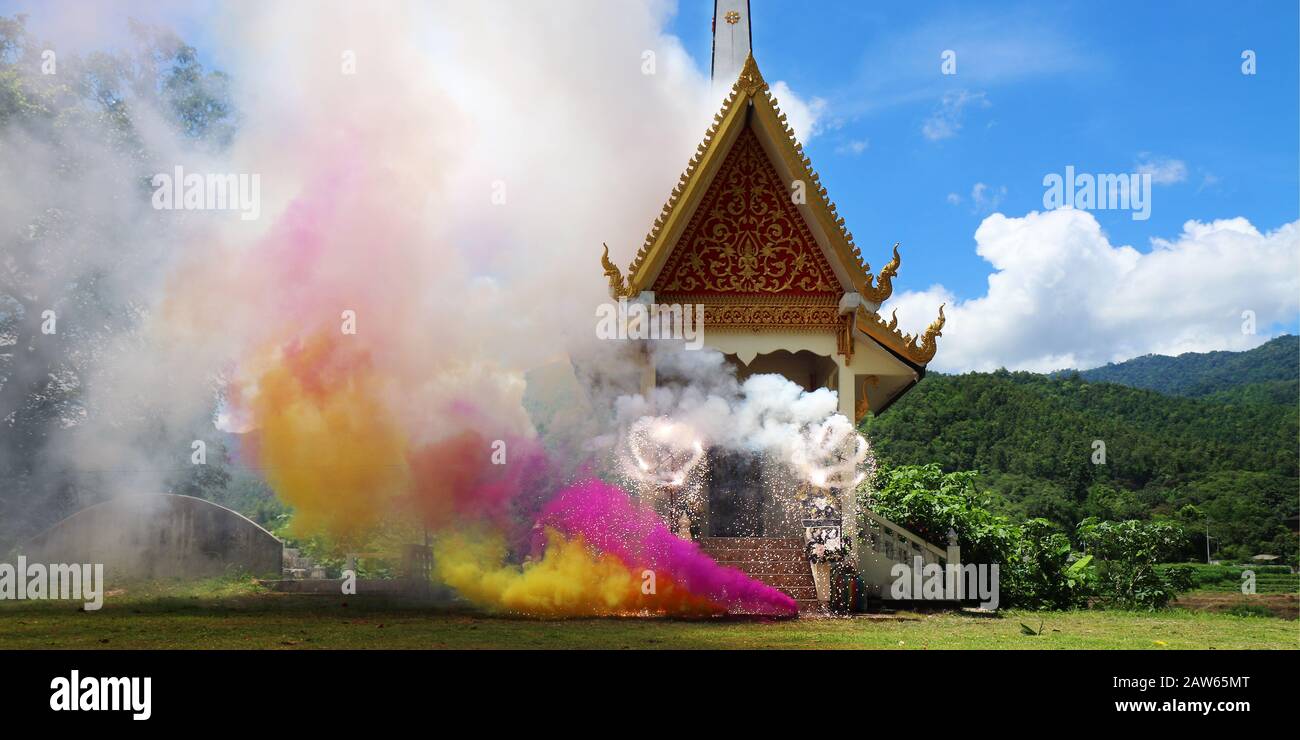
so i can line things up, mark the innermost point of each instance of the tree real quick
(78, 170)
(1031, 437)
(1128, 553)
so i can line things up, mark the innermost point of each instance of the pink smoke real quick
(610, 521)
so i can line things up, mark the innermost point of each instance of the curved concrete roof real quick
(159, 536)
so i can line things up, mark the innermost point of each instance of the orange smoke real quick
(325, 441)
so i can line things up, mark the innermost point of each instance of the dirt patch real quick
(1285, 606)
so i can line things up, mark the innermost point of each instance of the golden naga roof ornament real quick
(884, 285)
(918, 349)
(617, 283)
(932, 332)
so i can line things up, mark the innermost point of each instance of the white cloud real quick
(853, 146)
(954, 199)
(1061, 295)
(1163, 170)
(804, 116)
(945, 122)
(985, 199)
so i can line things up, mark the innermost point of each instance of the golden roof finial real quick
(751, 80)
(617, 283)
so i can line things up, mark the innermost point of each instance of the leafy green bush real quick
(1038, 568)
(929, 502)
(1047, 573)
(1128, 554)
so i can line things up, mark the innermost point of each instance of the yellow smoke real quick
(568, 581)
(327, 445)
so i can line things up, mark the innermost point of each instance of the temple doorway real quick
(741, 497)
(737, 499)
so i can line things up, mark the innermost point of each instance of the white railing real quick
(884, 544)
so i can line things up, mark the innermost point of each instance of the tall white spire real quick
(731, 40)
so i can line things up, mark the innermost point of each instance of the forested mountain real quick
(1229, 454)
(1274, 366)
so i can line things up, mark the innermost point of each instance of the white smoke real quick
(769, 415)
(453, 169)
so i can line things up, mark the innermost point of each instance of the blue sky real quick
(1097, 85)
(951, 164)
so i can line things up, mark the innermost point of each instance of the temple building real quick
(750, 233)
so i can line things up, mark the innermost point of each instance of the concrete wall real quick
(160, 536)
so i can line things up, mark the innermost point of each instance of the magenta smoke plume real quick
(610, 521)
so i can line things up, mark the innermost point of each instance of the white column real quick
(848, 496)
(731, 35)
(846, 389)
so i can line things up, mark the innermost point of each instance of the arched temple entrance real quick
(810, 370)
(741, 501)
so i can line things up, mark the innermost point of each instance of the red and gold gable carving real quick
(747, 236)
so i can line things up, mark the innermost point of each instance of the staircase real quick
(884, 545)
(777, 561)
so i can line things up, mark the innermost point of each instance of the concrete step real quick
(748, 542)
(777, 561)
(759, 569)
(756, 556)
(785, 581)
(784, 547)
(801, 593)
(811, 606)
(729, 548)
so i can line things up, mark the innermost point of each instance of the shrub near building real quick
(1041, 568)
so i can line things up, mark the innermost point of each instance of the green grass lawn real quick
(240, 615)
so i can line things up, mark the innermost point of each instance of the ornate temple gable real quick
(747, 237)
(750, 105)
(731, 238)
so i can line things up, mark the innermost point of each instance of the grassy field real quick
(241, 615)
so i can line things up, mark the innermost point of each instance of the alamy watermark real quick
(178, 191)
(638, 320)
(77, 693)
(1125, 191)
(39, 581)
(922, 581)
